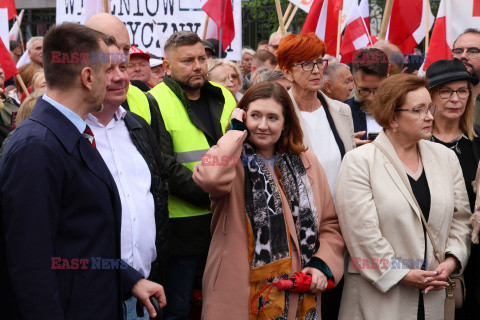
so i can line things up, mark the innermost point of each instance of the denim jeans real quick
(130, 310)
(179, 283)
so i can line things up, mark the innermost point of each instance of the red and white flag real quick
(10, 5)
(6, 62)
(322, 19)
(407, 27)
(454, 16)
(14, 31)
(357, 35)
(221, 12)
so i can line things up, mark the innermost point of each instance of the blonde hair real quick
(213, 63)
(468, 117)
(35, 76)
(26, 107)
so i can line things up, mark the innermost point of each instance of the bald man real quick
(111, 25)
(137, 101)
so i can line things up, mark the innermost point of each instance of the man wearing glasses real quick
(467, 49)
(370, 67)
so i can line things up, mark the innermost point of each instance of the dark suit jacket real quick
(358, 115)
(58, 199)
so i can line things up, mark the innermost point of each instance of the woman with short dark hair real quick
(382, 190)
(273, 214)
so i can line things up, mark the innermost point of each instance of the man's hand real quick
(144, 289)
(359, 142)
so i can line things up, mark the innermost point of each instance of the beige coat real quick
(341, 115)
(379, 220)
(226, 289)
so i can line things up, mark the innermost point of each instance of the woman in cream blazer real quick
(392, 272)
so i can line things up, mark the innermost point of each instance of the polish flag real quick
(322, 19)
(356, 34)
(6, 62)
(454, 16)
(14, 32)
(10, 5)
(365, 11)
(407, 26)
(221, 11)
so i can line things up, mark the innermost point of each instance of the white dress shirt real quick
(133, 179)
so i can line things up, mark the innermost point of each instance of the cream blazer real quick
(383, 231)
(341, 115)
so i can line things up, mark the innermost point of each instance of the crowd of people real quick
(203, 182)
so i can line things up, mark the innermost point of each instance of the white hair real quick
(31, 41)
(248, 50)
(330, 72)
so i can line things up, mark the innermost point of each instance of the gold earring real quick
(394, 130)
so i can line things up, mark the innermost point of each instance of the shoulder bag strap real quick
(407, 184)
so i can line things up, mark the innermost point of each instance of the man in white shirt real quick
(128, 147)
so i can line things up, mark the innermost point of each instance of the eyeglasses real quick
(309, 65)
(472, 53)
(446, 93)
(422, 112)
(366, 92)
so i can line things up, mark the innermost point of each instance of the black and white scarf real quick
(266, 215)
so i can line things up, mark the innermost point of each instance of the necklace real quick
(455, 141)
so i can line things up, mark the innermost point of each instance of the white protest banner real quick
(170, 15)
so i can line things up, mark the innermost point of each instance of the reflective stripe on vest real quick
(138, 103)
(189, 142)
(190, 156)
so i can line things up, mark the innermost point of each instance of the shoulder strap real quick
(409, 188)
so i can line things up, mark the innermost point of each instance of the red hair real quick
(296, 48)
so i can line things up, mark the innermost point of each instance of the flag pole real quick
(105, 6)
(280, 18)
(22, 84)
(386, 19)
(20, 33)
(206, 27)
(427, 33)
(290, 19)
(339, 33)
(287, 12)
(220, 43)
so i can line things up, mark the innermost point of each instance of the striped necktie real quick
(89, 135)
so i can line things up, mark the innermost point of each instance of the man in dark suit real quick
(370, 67)
(60, 209)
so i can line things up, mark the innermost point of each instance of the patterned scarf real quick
(269, 240)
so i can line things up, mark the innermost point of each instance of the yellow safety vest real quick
(189, 142)
(138, 103)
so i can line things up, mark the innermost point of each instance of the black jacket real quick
(359, 116)
(190, 236)
(146, 144)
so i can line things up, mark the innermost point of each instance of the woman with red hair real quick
(327, 124)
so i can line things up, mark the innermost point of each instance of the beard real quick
(188, 86)
(473, 72)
